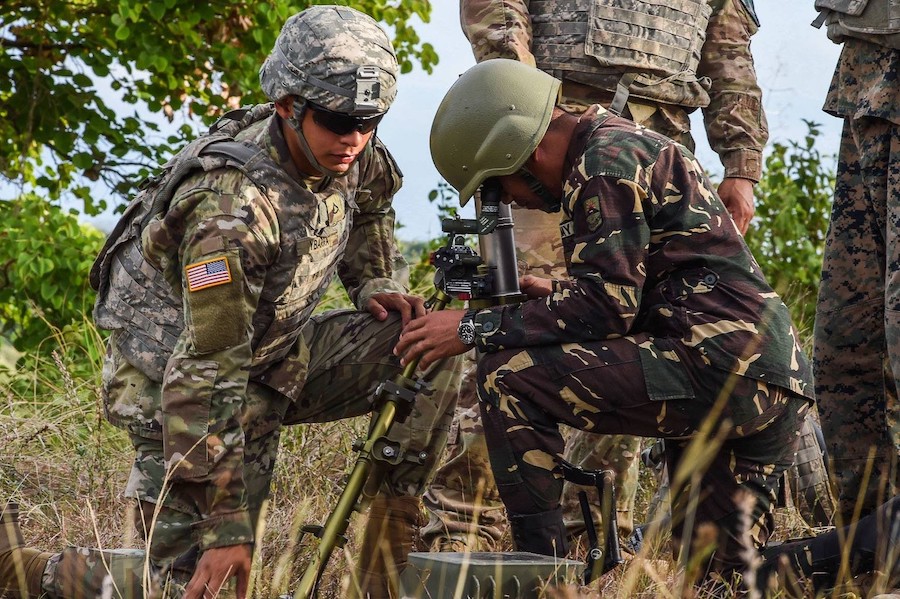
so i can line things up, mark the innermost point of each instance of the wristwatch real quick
(466, 329)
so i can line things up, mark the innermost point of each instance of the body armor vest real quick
(144, 306)
(596, 42)
(876, 21)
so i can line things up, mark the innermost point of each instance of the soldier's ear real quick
(285, 107)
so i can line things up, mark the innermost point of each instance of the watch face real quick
(466, 332)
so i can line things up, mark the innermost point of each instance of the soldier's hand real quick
(217, 565)
(431, 338)
(535, 287)
(409, 306)
(737, 195)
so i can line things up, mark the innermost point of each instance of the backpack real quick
(216, 149)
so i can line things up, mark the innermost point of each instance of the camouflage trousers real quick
(857, 331)
(463, 505)
(330, 374)
(726, 447)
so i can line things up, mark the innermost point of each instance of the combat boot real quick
(816, 561)
(542, 533)
(387, 540)
(21, 568)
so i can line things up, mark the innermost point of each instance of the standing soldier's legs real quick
(602, 452)
(332, 373)
(855, 330)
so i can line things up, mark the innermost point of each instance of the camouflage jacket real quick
(650, 249)
(735, 121)
(244, 259)
(865, 82)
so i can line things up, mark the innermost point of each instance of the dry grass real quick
(67, 467)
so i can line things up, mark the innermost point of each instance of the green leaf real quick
(83, 160)
(157, 10)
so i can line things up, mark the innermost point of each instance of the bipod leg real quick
(331, 534)
(396, 399)
(604, 552)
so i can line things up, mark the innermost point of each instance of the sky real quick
(794, 64)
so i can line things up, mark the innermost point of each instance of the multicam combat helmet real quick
(335, 57)
(490, 121)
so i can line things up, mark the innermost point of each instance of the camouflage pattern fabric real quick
(526, 395)
(735, 122)
(640, 340)
(596, 42)
(326, 225)
(857, 333)
(266, 284)
(332, 373)
(730, 313)
(463, 506)
(328, 44)
(736, 129)
(86, 573)
(230, 269)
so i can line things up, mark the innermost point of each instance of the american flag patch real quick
(207, 274)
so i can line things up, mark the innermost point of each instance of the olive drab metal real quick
(486, 127)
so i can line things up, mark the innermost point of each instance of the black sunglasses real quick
(342, 124)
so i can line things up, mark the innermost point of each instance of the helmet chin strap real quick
(296, 123)
(551, 202)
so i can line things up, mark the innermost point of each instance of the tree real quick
(45, 255)
(792, 213)
(79, 77)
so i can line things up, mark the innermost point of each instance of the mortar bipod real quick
(604, 552)
(396, 398)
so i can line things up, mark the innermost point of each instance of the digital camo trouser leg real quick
(857, 331)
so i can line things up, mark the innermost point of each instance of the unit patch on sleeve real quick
(208, 273)
(592, 213)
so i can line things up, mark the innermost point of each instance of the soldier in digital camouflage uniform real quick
(710, 67)
(209, 295)
(665, 327)
(858, 312)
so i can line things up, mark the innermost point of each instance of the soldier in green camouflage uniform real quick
(718, 77)
(666, 326)
(209, 295)
(858, 312)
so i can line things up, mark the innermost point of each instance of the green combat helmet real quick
(336, 59)
(490, 121)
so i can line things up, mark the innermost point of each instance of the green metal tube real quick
(339, 519)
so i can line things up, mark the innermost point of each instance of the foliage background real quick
(78, 79)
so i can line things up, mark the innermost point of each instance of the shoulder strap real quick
(217, 144)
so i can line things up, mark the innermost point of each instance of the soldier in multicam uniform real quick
(858, 312)
(213, 348)
(666, 326)
(706, 63)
